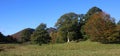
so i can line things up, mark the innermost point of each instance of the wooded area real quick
(95, 25)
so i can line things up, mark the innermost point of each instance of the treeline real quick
(95, 25)
(6, 39)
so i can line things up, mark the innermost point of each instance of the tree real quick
(118, 22)
(100, 27)
(68, 23)
(53, 36)
(71, 36)
(61, 37)
(1, 37)
(85, 17)
(40, 35)
(26, 34)
(82, 22)
(92, 11)
(51, 29)
(81, 19)
(9, 39)
(118, 26)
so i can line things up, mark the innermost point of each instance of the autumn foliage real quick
(95, 25)
(100, 27)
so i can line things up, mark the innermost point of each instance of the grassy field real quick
(85, 48)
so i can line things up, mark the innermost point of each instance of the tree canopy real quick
(26, 34)
(40, 35)
(100, 27)
(67, 24)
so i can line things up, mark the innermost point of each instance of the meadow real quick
(84, 48)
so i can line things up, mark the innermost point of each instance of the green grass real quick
(85, 48)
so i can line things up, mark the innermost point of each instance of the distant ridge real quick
(18, 35)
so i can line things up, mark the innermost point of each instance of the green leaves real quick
(40, 36)
(26, 34)
(67, 24)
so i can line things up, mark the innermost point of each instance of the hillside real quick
(18, 34)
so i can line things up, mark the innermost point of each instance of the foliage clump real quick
(40, 35)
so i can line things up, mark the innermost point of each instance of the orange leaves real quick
(99, 25)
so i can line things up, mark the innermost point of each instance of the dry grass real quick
(86, 48)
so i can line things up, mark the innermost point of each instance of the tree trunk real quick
(68, 40)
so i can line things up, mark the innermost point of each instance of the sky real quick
(16, 15)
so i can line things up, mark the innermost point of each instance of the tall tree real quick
(68, 23)
(86, 17)
(100, 27)
(71, 36)
(26, 34)
(1, 37)
(40, 35)
(53, 34)
(92, 11)
(82, 22)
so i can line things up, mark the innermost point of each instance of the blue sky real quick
(16, 15)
